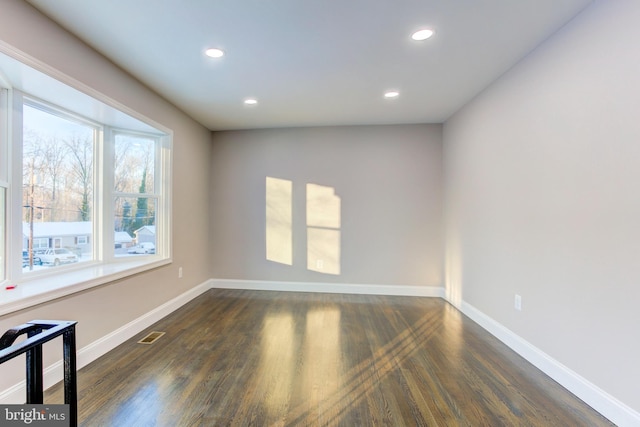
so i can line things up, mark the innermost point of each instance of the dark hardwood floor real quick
(263, 358)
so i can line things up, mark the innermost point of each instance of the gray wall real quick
(389, 182)
(104, 309)
(541, 182)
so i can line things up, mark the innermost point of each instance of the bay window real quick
(84, 187)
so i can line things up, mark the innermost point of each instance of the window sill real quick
(44, 289)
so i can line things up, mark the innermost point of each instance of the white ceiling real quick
(314, 62)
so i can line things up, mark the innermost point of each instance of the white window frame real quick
(19, 100)
(4, 179)
(34, 288)
(159, 172)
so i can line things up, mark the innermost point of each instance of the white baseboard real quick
(607, 405)
(54, 373)
(331, 288)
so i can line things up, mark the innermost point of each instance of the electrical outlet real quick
(319, 264)
(517, 304)
(179, 272)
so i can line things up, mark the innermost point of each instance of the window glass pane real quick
(57, 193)
(135, 225)
(134, 164)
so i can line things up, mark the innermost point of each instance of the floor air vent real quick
(151, 337)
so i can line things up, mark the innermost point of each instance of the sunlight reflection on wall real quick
(279, 220)
(323, 229)
(323, 218)
(453, 270)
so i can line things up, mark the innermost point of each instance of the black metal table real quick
(39, 332)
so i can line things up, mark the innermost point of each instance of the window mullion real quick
(102, 198)
(14, 197)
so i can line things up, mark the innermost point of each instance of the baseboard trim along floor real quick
(332, 288)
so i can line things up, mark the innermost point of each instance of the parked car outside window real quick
(143, 248)
(58, 256)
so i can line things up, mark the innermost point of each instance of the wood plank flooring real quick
(260, 358)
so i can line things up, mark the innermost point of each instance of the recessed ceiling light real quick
(391, 94)
(214, 53)
(422, 34)
(250, 101)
